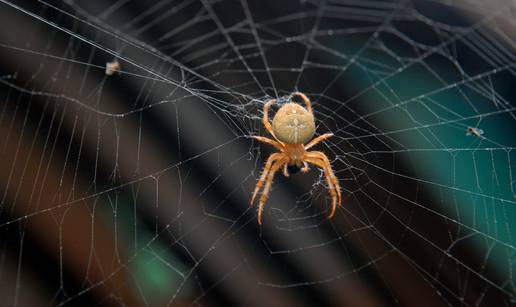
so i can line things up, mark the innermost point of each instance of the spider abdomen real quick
(293, 124)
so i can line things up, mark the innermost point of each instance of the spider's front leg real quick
(265, 194)
(272, 158)
(318, 158)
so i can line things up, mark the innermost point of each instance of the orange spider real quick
(292, 126)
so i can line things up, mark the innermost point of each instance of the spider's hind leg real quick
(265, 118)
(305, 99)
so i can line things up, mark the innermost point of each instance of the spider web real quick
(133, 188)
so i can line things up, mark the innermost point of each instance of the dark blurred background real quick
(133, 188)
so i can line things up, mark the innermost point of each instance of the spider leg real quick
(331, 187)
(320, 159)
(265, 119)
(262, 139)
(305, 100)
(305, 167)
(265, 193)
(329, 170)
(272, 158)
(317, 140)
(285, 170)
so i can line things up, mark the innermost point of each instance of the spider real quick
(293, 126)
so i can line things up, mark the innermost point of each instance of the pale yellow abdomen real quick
(293, 124)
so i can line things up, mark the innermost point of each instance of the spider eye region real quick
(293, 124)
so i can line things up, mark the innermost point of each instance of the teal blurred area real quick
(470, 177)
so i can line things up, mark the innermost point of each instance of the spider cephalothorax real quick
(292, 127)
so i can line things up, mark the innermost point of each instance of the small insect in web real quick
(475, 132)
(292, 126)
(112, 67)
